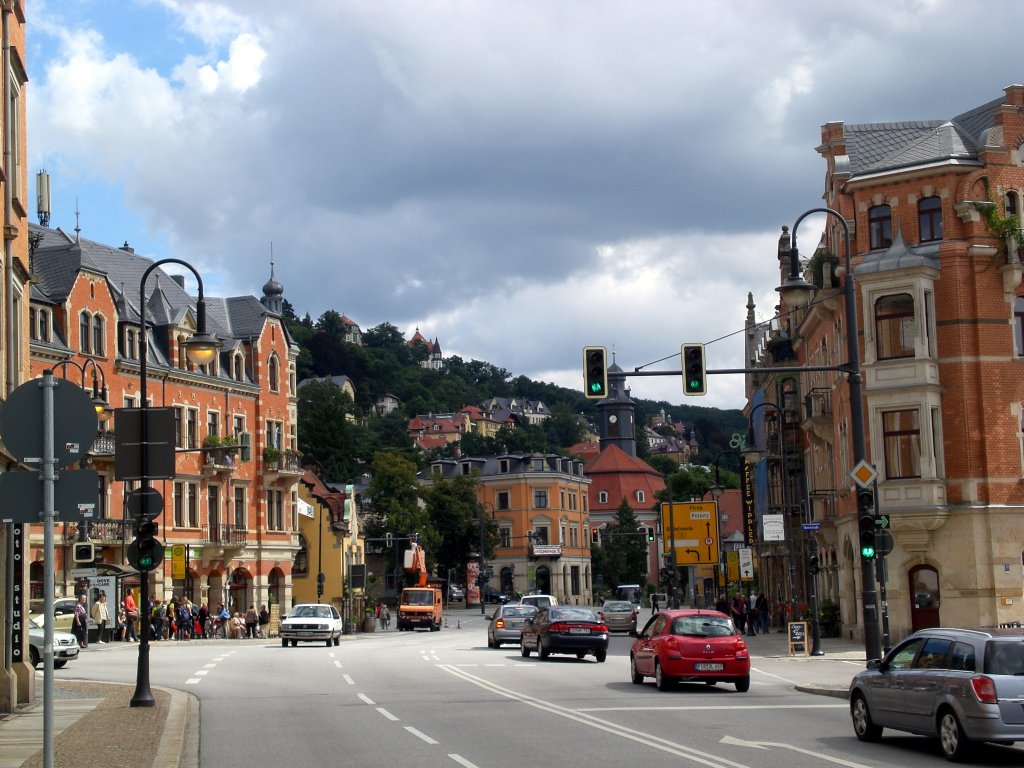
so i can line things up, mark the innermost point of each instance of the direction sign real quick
(811, 526)
(75, 495)
(882, 521)
(691, 528)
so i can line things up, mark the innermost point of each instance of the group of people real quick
(111, 623)
(749, 612)
(383, 615)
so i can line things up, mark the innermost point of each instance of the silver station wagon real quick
(959, 685)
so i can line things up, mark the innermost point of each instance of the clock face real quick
(613, 418)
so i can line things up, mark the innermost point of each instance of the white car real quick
(65, 645)
(311, 623)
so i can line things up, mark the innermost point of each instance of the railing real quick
(225, 535)
(103, 445)
(101, 530)
(818, 403)
(284, 463)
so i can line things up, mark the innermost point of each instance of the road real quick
(441, 700)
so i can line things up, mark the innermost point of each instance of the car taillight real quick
(599, 629)
(558, 626)
(985, 689)
(671, 644)
(499, 624)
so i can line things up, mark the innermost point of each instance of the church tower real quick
(617, 413)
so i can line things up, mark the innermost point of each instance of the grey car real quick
(959, 685)
(507, 624)
(619, 615)
(65, 645)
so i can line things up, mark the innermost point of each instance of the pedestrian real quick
(762, 612)
(263, 619)
(736, 612)
(654, 603)
(131, 613)
(377, 613)
(157, 618)
(237, 626)
(185, 619)
(223, 622)
(748, 615)
(722, 605)
(80, 622)
(251, 622)
(172, 618)
(385, 617)
(101, 615)
(120, 628)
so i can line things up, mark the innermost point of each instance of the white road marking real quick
(702, 708)
(338, 664)
(388, 715)
(462, 761)
(768, 744)
(349, 680)
(470, 665)
(193, 681)
(201, 672)
(366, 699)
(209, 666)
(420, 734)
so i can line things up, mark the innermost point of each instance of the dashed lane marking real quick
(420, 734)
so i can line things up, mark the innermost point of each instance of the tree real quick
(326, 430)
(622, 556)
(457, 516)
(393, 502)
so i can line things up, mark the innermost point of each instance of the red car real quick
(690, 645)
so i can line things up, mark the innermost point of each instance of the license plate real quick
(702, 666)
(579, 630)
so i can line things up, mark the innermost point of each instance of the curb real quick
(182, 719)
(818, 690)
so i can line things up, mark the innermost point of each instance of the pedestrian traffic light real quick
(146, 552)
(694, 371)
(83, 552)
(866, 513)
(814, 565)
(595, 373)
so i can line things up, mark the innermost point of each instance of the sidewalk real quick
(86, 713)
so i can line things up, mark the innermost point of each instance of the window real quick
(503, 466)
(84, 331)
(213, 507)
(880, 226)
(933, 655)
(39, 324)
(186, 505)
(540, 535)
(506, 537)
(239, 425)
(274, 434)
(240, 507)
(640, 497)
(901, 436)
(130, 343)
(602, 497)
(98, 329)
(963, 657)
(904, 657)
(894, 326)
(179, 431)
(275, 511)
(213, 423)
(273, 373)
(1018, 325)
(238, 367)
(102, 512)
(502, 500)
(14, 140)
(291, 378)
(929, 219)
(192, 425)
(540, 499)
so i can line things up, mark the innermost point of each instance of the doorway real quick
(925, 597)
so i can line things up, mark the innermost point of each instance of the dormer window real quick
(85, 332)
(602, 497)
(641, 497)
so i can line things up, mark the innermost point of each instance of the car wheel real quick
(337, 640)
(523, 650)
(742, 684)
(581, 655)
(663, 681)
(284, 642)
(295, 643)
(33, 656)
(541, 650)
(60, 664)
(955, 744)
(635, 676)
(601, 656)
(329, 642)
(863, 726)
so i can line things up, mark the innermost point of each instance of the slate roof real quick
(875, 147)
(899, 255)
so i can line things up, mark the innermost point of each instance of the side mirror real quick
(634, 633)
(875, 664)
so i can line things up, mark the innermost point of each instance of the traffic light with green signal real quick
(595, 373)
(146, 552)
(866, 524)
(694, 370)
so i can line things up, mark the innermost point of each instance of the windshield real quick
(310, 612)
(418, 597)
(702, 626)
(572, 614)
(519, 610)
(618, 607)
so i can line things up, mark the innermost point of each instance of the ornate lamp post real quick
(201, 349)
(795, 293)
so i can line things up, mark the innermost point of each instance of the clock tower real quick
(617, 413)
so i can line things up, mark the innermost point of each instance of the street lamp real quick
(794, 292)
(201, 349)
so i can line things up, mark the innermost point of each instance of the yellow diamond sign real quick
(863, 474)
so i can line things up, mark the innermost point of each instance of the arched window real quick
(238, 367)
(84, 332)
(929, 219)
(273, 373)
(602, 497)
(641, 497)
(894, 326)
(98, 329)
(880, 226)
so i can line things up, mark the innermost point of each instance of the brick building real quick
(236, 520)
(936, 257)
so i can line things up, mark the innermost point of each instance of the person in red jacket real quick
(131, 613)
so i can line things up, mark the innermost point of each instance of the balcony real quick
(102, 531)
(219, 461)
(103, 447)
(817, 420)
(278, 465)
(226, 536)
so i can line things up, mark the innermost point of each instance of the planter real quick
(369, 624)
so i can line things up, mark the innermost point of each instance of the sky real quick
(515, 179)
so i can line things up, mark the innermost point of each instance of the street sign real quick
(746, 564)
(75, 495)
(83, 573)
(159, 446)
(811, 526)
(691, 528)
(882, 521)
(74, 424)
(144, 503)
(863, 474)
(883, 542)
(178, 561)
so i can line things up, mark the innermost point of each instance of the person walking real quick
(185, 619)
(80, 622)
(385, 617)
(131, 613)
(101, 615)
(654, 603)
(157, 618)
(749, 619)
(263, 620)
(762, 612)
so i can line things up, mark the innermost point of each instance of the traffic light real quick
(146, 552)
(595, 535)
(642, 530)
(83, 552)
(650, 533)
(595, 373)
(694, 372)
(866, 523)
(815, 566)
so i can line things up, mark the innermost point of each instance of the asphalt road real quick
(444, 699)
